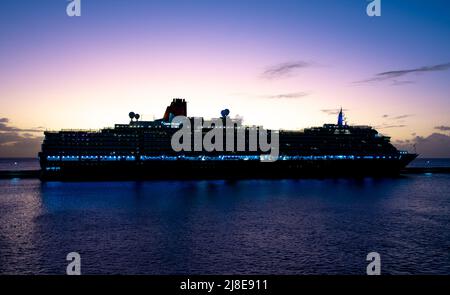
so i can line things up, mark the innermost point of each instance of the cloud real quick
(401, 117)
(332, 111)
(4, 127)
(391, 75)
(400, 83)
(288, 95)
(406, 141)
(398, 117)
(436, 145)
(19, 142)
(385, 126)
(399, 73)
(442, 128)
(22, 147)
(284, 69)
(393, 121)
(9, 137)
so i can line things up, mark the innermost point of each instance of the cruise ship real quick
(144, 150)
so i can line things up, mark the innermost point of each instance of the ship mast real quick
(340, 118)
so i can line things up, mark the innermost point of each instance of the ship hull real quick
(237, 169)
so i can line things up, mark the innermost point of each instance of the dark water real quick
(15, 164)
(19, 164)
(244, 227)
(430, 163)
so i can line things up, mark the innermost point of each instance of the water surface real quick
(220, 227)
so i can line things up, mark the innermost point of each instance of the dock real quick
(19, 174)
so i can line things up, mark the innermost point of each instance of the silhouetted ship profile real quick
(143, 150)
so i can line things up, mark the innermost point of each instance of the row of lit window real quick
(216, 158)
(102, 158)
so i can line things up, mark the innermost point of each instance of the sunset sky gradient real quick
(282, 64)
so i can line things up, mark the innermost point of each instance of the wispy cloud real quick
(16, 145)
(4, 127)
(401, 117)
(397, 117)
(286, 95)
(333, 111)
(284, 69)
(400, 83)
(442, 128)
(399, 141)
(386, 126)
(391, 75)
(393, 121)
(19, 142)
(292, 95)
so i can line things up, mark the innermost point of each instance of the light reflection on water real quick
(249, 227)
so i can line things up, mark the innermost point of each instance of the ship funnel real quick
(178, 107)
